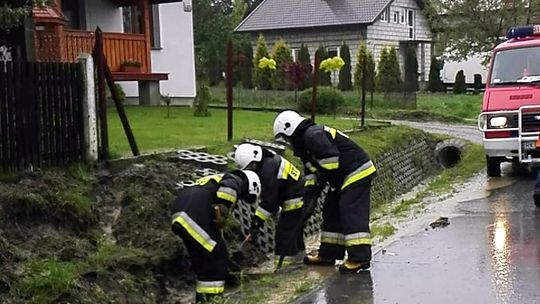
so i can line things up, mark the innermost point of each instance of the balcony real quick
(68, 44)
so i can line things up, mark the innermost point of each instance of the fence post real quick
(89, 109)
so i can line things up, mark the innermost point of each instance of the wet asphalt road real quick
(467, 132)
(490, 253)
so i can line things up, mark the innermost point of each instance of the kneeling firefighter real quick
(282, 189)
(330, 157)
(198, 217)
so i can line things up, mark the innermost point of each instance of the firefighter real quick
(198, 217)
(330, 157)
(282, 189)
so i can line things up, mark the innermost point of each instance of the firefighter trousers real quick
(289, 233)
(210, 267)
(346, 223)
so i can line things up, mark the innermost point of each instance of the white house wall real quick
(389, 34)
(177, 56)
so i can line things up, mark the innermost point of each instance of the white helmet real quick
(246, 153)
(254, 183)
(287, 122)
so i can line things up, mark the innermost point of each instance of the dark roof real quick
(283, 14)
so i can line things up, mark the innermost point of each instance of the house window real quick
(396, 17)
(74, 12)
(410, 23)
(294, 54)
(132, 19)
(155, 29)
(333, 51)
(385, 16)
(403, 15)
(133, 23)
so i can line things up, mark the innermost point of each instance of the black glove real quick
(256, 225)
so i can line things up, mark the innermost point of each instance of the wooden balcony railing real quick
(119, 47)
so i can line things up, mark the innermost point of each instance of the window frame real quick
(337, 49)
(294, 54)
(385, 15)
(155, 28)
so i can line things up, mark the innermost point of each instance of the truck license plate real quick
(529, 145)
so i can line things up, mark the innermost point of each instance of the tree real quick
(305, 59)
(359, 68)
(324, 77)
(382, 70)
(261, 77)
(239, 11)
(475, 26)
(212, 29)
(281, 53)
(12, 15)
(389, 76)
(332, 65)
(435, 84)
(460, 87)
(252, 4)
(370, 76)
(297, 73)
(411, 69)
(243, 60)
(395, 71)
(345, 81)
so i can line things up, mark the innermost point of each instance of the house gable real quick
(402, 23)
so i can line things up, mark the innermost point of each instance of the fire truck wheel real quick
(493, 166)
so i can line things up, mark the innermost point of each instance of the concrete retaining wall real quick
(403, 168)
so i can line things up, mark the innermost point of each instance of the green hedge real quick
(328, 100)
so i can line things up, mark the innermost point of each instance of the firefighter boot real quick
(318, 260)
(353, 267)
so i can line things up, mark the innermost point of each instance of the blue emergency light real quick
(523, 31)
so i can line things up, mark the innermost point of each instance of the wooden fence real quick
(41, 116)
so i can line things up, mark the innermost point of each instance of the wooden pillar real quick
(144, 6)
(58, 31)
(60, 42)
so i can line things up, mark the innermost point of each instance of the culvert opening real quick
(449, 156)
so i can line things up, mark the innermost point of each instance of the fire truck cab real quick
(510, 118)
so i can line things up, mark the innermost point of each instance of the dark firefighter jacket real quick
(282, 186)
(193, 208)
(329, 156)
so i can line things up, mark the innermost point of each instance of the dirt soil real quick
(95, 236)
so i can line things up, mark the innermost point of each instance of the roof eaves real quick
(304, 27)
(236, 29)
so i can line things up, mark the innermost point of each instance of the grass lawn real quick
(154, 132)
(446, 107)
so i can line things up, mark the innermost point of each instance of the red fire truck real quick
(510, 118)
